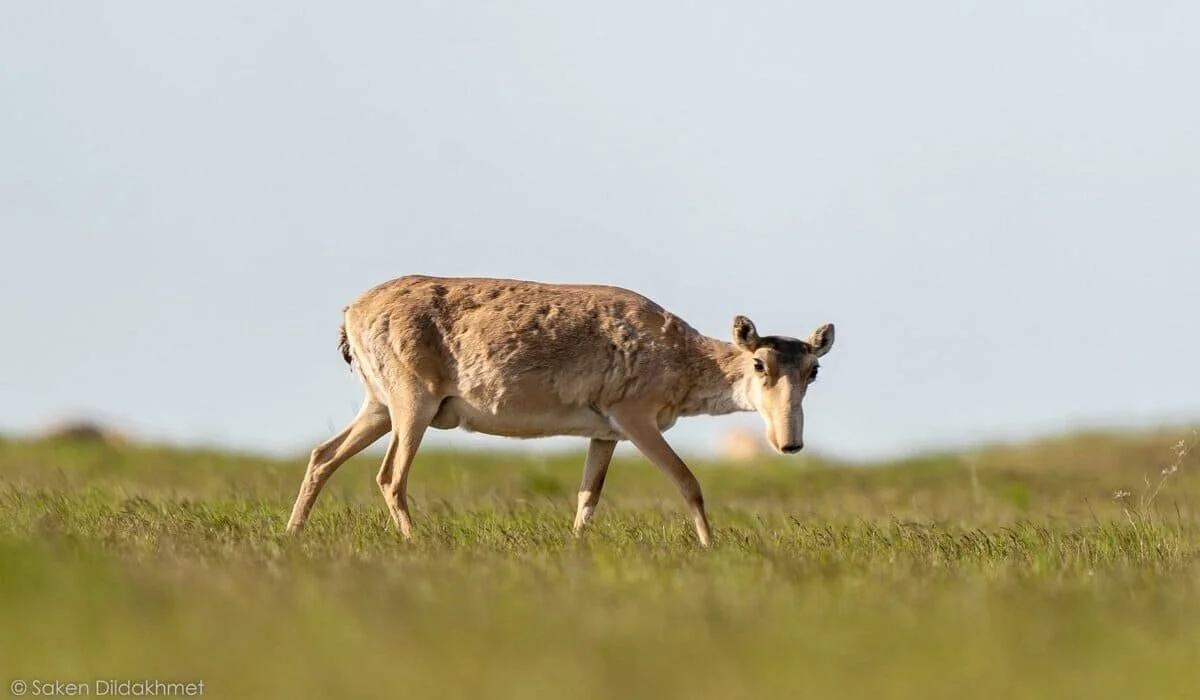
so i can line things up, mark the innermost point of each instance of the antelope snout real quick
(792, 448)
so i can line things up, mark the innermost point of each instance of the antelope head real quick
(776, 375)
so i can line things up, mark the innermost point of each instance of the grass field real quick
(1000, 573)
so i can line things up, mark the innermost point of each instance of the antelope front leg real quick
(643, 432)
(599, 455)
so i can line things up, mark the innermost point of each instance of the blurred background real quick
(996, 204)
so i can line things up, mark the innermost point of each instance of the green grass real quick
(1004, 572)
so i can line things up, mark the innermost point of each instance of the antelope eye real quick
(812, 377)
(759, 366)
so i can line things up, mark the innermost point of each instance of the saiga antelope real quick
(527, 359)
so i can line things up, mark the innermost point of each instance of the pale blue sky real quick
(998, 204)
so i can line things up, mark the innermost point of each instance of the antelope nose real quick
(793, 448)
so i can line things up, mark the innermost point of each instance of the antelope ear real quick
(745, 335)
(821, 339)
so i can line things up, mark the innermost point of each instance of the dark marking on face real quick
(789, 349)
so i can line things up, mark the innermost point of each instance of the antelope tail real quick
(344, 343)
